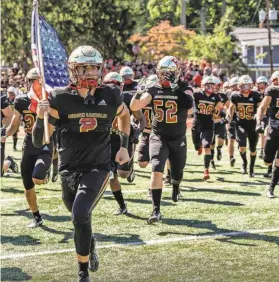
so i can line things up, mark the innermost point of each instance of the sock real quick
(212, 154)
(37, 215)
(119, 198)
(219, 147)
(252, 161)
(15, 142)
(244, 158)
(275, 177)
(231, 157)
(207, 161)
(83, 266)
(156, 198)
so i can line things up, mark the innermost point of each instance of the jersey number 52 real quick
(171, 116)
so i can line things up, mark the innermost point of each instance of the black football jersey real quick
(273, 92)
(84, 127)
(4, 104)
(204, 108)
(223, 99)
(245, 107)
(169, 111)
(21, 104)
(130, 88)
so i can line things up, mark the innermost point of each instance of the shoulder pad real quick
(272, 88)
(21, 96)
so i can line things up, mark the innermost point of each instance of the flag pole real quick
(41, 66)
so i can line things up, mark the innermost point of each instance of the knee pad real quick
(80, 218)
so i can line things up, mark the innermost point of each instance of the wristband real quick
(138, 96)
(124, 140)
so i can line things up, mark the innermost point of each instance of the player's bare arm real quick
(8, 113)
(263, 108)
(38, 138)
(124, 127)
(231, 111)
(12, 128)
(140, 101)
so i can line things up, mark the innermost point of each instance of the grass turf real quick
(226, 203)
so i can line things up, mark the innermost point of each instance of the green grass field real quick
(200, 238)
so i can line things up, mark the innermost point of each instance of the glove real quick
(3, 131)
(224, 121)
(260, 127)
(170, 76)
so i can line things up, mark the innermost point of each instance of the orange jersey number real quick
(29, 120)
(147, 118)
(245, 112)
(171, 111)
(206, 109)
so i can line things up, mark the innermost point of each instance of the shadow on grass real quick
(12, 175)
(206, 201)
(12, 190)
(21, 240)
(229, 235)
(67, 235)
(53, 218)
(14, 274)
(221, 191)
(140, 201)
(243, 183)
(122, 238)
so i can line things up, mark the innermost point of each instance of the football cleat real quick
(155, 217)
(13, 165)
(232, 161)
(83, 276)
(175, 193)
(36, 222)
(251, 173)
(54, 173)
(93, 256)
(219, 154)
(122, 210)
(270, 193)
(267, 174)
(132, 176)
(213, 164)
(199, 151)
(206, 175)
(244, 169)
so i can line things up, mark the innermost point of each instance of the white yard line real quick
(109, 193)
(149, 242)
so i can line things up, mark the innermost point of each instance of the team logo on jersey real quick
(213, 99)
(251, 100)
(182, 144)
(102, 103)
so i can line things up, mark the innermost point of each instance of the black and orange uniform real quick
(144, 144)
(115, 139)
(15, 138)
(271, 150)
(231, 132)
(4, 105)
(167, 139)
(246, 108)
(203, 124)
(35, 162)
(83, 132)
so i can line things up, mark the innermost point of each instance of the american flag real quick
(53, 54)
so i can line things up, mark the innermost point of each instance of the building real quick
(254, 45)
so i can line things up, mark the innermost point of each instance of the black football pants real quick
(81, 192)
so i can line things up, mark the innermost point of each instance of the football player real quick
(262, 84)
(35, 162)
(167, 139)
(206, 102)
(6, 117)
(219, 125)
(124, 171)
(245, 103)
(83, 113)
(11, 96)
(271, 150)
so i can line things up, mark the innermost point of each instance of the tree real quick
(163, 39)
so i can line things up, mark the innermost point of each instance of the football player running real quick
(219, 125)
(245, 103)
(83, 113)
(167, 140)
(123, 170)
(35, 163)
(271, 150)
(206, 103)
